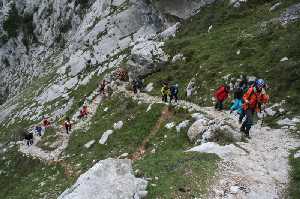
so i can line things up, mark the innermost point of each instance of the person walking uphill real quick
(68, 125)
(221, 95)
(174, 93)
(253, 99)
(165, 92)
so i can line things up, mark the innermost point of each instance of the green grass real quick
(180, 174)
(294, 186)
(137, 125)
(22, 177)
(48, 138)
(211, 56)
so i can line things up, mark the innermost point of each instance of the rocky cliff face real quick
(72, 40)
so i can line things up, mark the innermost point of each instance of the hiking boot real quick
(247, 135)
(242, 129)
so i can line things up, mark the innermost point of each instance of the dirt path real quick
(63, 141)
(165, 115)
(261, 172)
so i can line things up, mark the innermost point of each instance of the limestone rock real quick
(108, 179)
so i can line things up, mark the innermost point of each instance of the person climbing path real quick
(54, 155)
(253, 99)
(165, 92)
(68, 125)
(174, 90)
(221, 95)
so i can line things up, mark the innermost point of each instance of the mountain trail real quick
(165, 115)
(63, 140)
(261, 172)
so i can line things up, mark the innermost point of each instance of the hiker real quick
(28, 137)
(83, 111)
(237, 106)
(221, 95)
(140, 84)
(190, 88)
(135, 86)
(38, 130)
(107, 89)
(174, 93)
(46, 122)
(68, 125)
(102, 86)
(253, 99)
(238, 92)
(165, 92)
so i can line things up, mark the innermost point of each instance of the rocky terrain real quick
(55, 53)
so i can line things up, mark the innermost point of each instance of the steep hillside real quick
(54, 54)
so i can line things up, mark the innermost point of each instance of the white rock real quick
(149, 108)
(178, 57)
(198, 116)
(89, 144)
(197, 129)
(297, 155)
(225, 152)
(270, 112)
(238, 52)
(210, 28)
(124, 155)
(118, 125)
(108, 179)
(234, 189)
(284, 59)
(105, 136)
(149, 87)
(153, 150)
(275, 6)
(170, 125)
(286, 121)
(182, 125)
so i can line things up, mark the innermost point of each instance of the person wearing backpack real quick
(174, 93)
(221, 95)
(68, 125)
(165, 92)
(238, 93)
(39, 130)
(253, 99)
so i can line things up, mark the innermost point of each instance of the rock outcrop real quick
(108, 179)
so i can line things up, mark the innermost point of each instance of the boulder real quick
(197, 129)
(108, 179)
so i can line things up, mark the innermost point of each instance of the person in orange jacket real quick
(253, 99)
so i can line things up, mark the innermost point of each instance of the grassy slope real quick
(180, 174)
(167, 163)
(211, 56)
(22, 177)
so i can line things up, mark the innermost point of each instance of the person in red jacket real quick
(221, 95)
(253, 99)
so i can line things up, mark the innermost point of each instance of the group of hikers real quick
(249, 97)
(171, 92)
